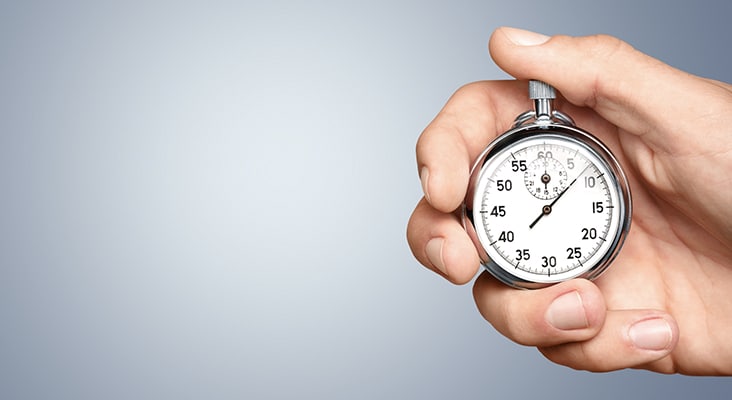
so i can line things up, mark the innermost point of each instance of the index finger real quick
(472, 117)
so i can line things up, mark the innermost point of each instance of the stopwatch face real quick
(547, 204)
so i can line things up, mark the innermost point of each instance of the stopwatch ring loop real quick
(530, 117)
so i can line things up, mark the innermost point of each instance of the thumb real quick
(626, 87)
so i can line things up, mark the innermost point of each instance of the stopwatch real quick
(547, 201)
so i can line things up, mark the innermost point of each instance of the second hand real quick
(546, 210)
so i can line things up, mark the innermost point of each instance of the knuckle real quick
(576, 356)
(606, 45)
(471, 89)
(600, 55)
(513, 328)
(415, 232)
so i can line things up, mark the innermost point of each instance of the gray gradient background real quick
(209, 199)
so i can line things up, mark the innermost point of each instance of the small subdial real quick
(545, 178)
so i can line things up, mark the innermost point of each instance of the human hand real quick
(666, 303)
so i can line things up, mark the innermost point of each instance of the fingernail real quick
(651, 334)
(523, 37)
(434, 253)
(567, 312)
(424, 176)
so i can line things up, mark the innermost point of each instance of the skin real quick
(666, 302)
